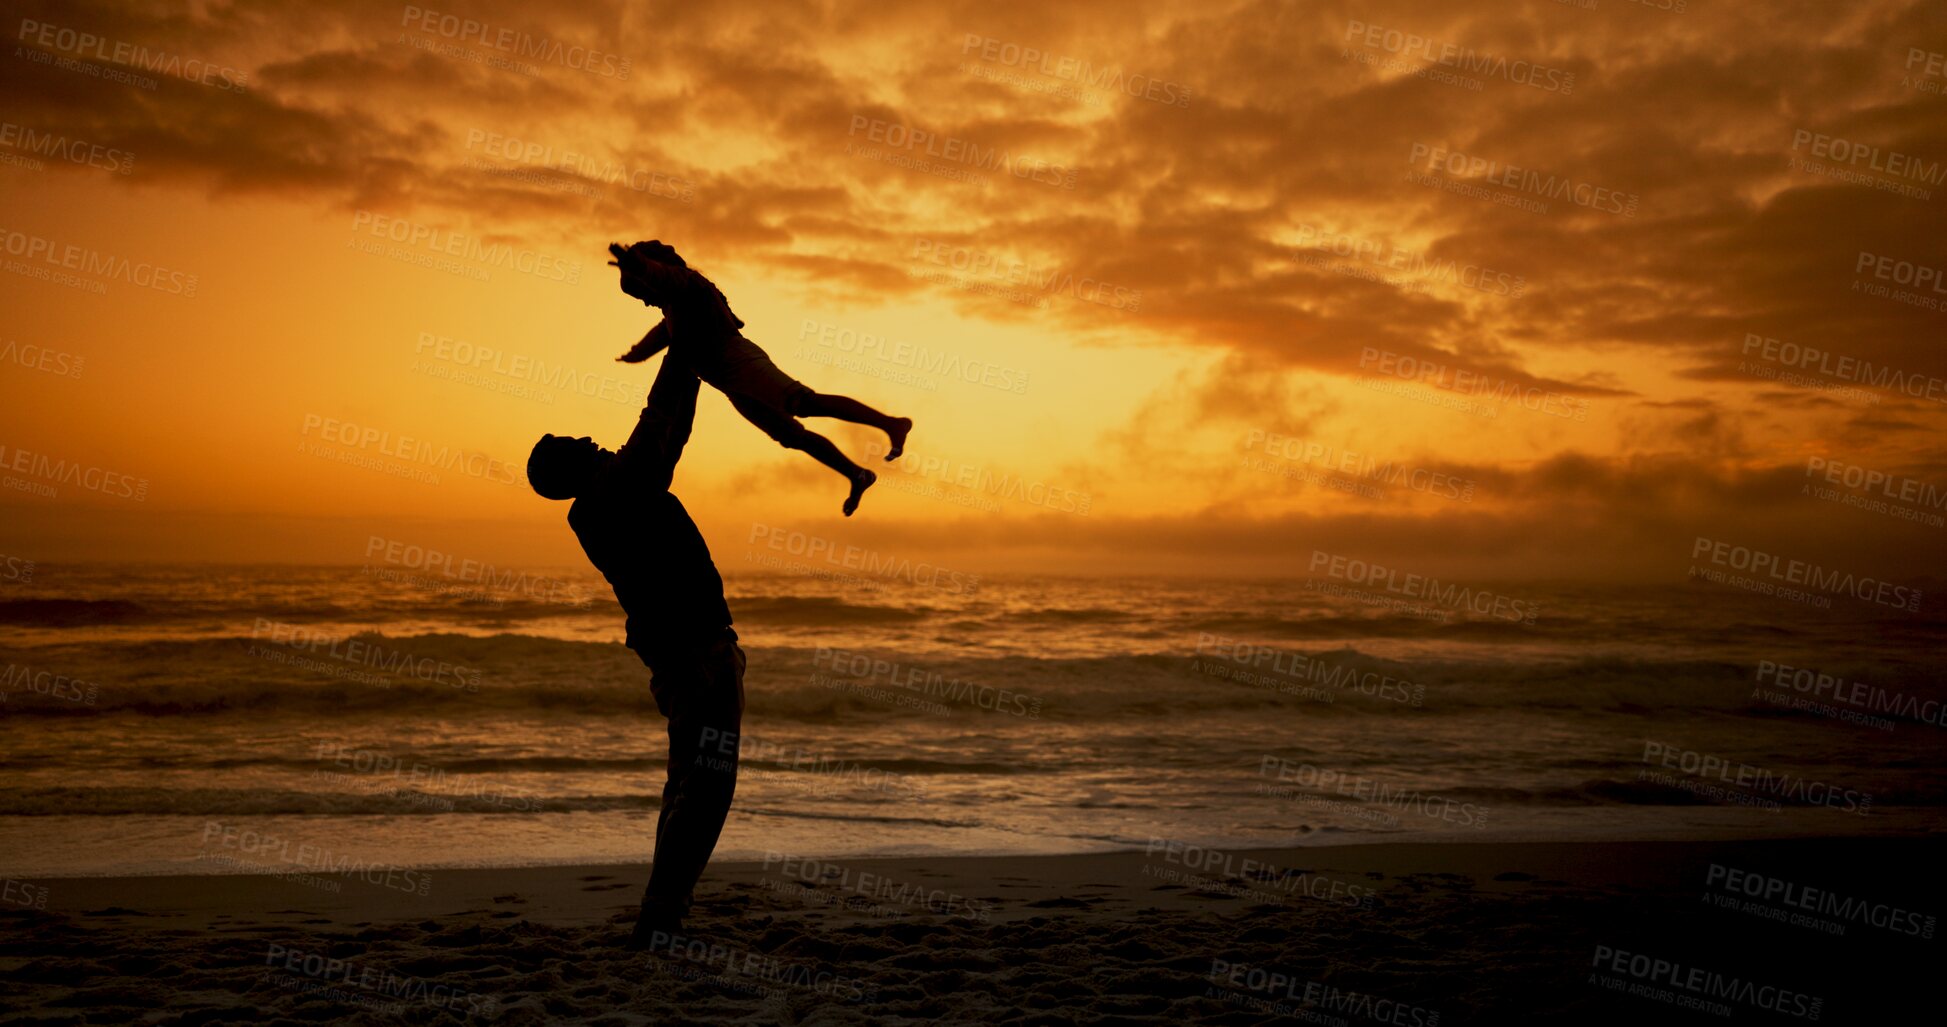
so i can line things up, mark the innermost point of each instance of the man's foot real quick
(655, 925)
(900, 427)
(653, 935)
(860, 482)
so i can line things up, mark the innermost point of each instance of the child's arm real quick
(652, 343)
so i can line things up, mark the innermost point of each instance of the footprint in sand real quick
(1063, 902)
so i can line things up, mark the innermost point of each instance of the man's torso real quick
(652, 554)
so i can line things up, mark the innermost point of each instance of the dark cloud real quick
(1289, 126)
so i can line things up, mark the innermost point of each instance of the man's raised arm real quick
(649, 457)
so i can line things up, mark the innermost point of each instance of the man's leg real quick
(702, 694)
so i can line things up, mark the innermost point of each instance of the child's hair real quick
(658, 251)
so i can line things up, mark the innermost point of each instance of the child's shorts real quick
(764, 394)
(744, 370)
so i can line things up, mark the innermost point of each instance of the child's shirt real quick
(699, 327)
(697, 319)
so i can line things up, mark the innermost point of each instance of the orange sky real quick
(1157, 281)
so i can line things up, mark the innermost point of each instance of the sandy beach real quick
(1836, 930)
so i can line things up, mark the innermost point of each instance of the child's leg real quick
(792, 435)
(845, 408)
(822, 450)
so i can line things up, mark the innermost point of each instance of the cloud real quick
(1285, 221)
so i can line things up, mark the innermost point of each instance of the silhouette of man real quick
(643, 541)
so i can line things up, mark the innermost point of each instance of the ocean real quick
(181, 719)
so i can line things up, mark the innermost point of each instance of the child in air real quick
(699, 329)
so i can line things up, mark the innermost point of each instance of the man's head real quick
(560, 467)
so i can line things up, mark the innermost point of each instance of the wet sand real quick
(1838, 930)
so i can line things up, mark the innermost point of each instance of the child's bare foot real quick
(900, 427)
(860, 482)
